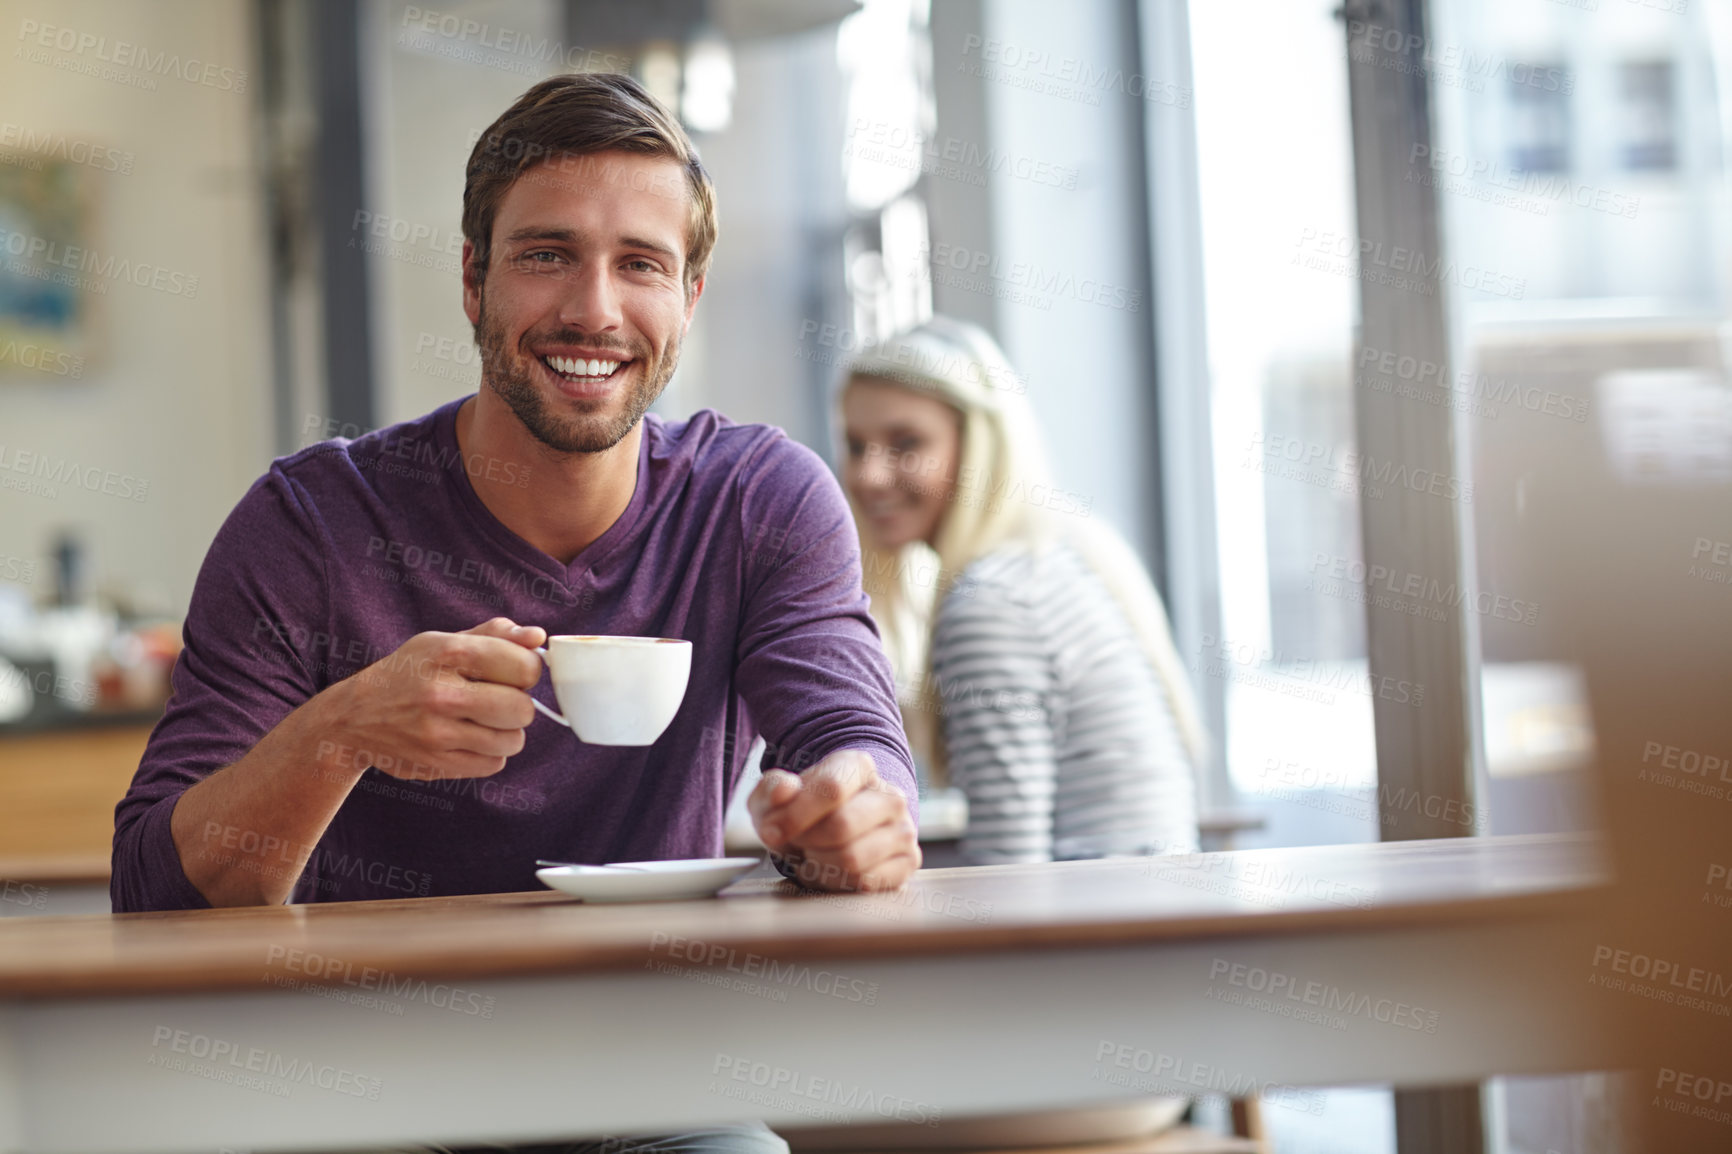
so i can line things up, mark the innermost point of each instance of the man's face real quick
(581, 313)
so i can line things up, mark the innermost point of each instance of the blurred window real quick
(1280, 269)
(1538, 101)
(1620, 319)
(1648, 119)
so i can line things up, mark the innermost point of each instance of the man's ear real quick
(471, 285)
(697, 290)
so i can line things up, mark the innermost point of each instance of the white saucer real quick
(647, 881)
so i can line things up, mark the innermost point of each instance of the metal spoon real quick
(590, 865)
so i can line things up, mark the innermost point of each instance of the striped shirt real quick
(1055, 725)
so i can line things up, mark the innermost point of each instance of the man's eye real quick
(640, 266)
(907, 444)
(856, 448)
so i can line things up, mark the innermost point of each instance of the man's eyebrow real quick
(533, 232)
(650, 246)
(569, 236)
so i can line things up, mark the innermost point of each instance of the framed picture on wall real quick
(46, 293)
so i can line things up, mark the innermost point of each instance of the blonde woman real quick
(1035, 665)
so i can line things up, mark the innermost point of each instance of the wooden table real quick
(524, 1016)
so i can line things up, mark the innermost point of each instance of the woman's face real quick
(903, 451)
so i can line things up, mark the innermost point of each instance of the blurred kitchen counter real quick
(58, 789)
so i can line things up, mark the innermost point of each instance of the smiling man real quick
(352, 714)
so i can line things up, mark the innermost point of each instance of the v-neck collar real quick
(592, 555)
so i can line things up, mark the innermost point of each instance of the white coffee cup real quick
(617, 690)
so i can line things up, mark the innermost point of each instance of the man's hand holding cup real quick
(444, 705)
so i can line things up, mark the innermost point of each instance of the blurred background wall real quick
(173, 388)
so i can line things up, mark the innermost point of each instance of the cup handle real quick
(542, 650)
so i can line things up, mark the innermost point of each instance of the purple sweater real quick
(736, 539)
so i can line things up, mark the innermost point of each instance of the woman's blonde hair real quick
(1002, 499)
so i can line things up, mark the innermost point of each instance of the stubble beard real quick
(508, 372)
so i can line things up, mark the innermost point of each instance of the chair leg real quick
(1248, 1122)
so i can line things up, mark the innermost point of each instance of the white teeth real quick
(576, 367)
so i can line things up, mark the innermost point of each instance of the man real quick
(342, 728)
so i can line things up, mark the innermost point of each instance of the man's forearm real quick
(244, 834)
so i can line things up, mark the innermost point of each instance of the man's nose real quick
(591, 299)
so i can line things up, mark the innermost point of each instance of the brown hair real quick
(573, 116)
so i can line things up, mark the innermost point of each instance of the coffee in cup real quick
(617, 690)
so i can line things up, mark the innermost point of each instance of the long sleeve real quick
(809, 663)
(996, 682)
(251, 632)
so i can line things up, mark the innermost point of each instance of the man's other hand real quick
(838, 825)
(444, 704)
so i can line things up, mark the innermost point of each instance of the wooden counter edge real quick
(926, 941)
(63, 869)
